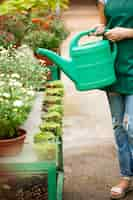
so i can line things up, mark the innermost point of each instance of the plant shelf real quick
(28, 163)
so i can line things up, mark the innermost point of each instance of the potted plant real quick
(53, 127)
(56, 108)
(53, 95)
(54, 84)
(45, 145)
(20, 75)
(50, 38)
(41, 38)
(50, 101)
(55, 92)
(45, 150)
(52, 116)
(44, 136)
(13, 113)
(16, 17)
(13, 29)
(6, 39)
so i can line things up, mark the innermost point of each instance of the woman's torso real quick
(120, 14)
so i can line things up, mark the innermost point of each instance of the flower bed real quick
(19, 28)
(36, 24)
(20, 76)
(23, 185)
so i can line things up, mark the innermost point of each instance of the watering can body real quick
(91, 66)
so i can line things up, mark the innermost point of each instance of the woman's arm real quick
(119, 33)
(102, 17)
(115, 34)
(130, 32)
(100, 28)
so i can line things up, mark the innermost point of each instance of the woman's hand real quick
(100, 28)
(118, 34)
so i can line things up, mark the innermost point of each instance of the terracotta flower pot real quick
(36, 20)
(49, 76)
(46, 25)
(47, 62)
(13, 146)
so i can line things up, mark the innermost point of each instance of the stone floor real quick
(91, 165)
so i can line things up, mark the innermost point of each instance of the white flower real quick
(30, 93)
(2, 75)
(4, 51)
(31, 88)
(13, 82)
(2, 83)
(15, 75)
(6, 101)
(18, 103)
(23, 89)
(1, 99)
(15, 110)
(7, 95)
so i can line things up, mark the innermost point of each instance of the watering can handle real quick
(75, 40)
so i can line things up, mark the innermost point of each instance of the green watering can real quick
(91, 65)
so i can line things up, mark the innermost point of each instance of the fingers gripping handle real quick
(76, 39)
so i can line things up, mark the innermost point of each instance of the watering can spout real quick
(65, 65)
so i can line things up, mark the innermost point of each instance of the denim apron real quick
(119, 13)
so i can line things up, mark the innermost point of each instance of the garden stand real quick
(26, 167)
